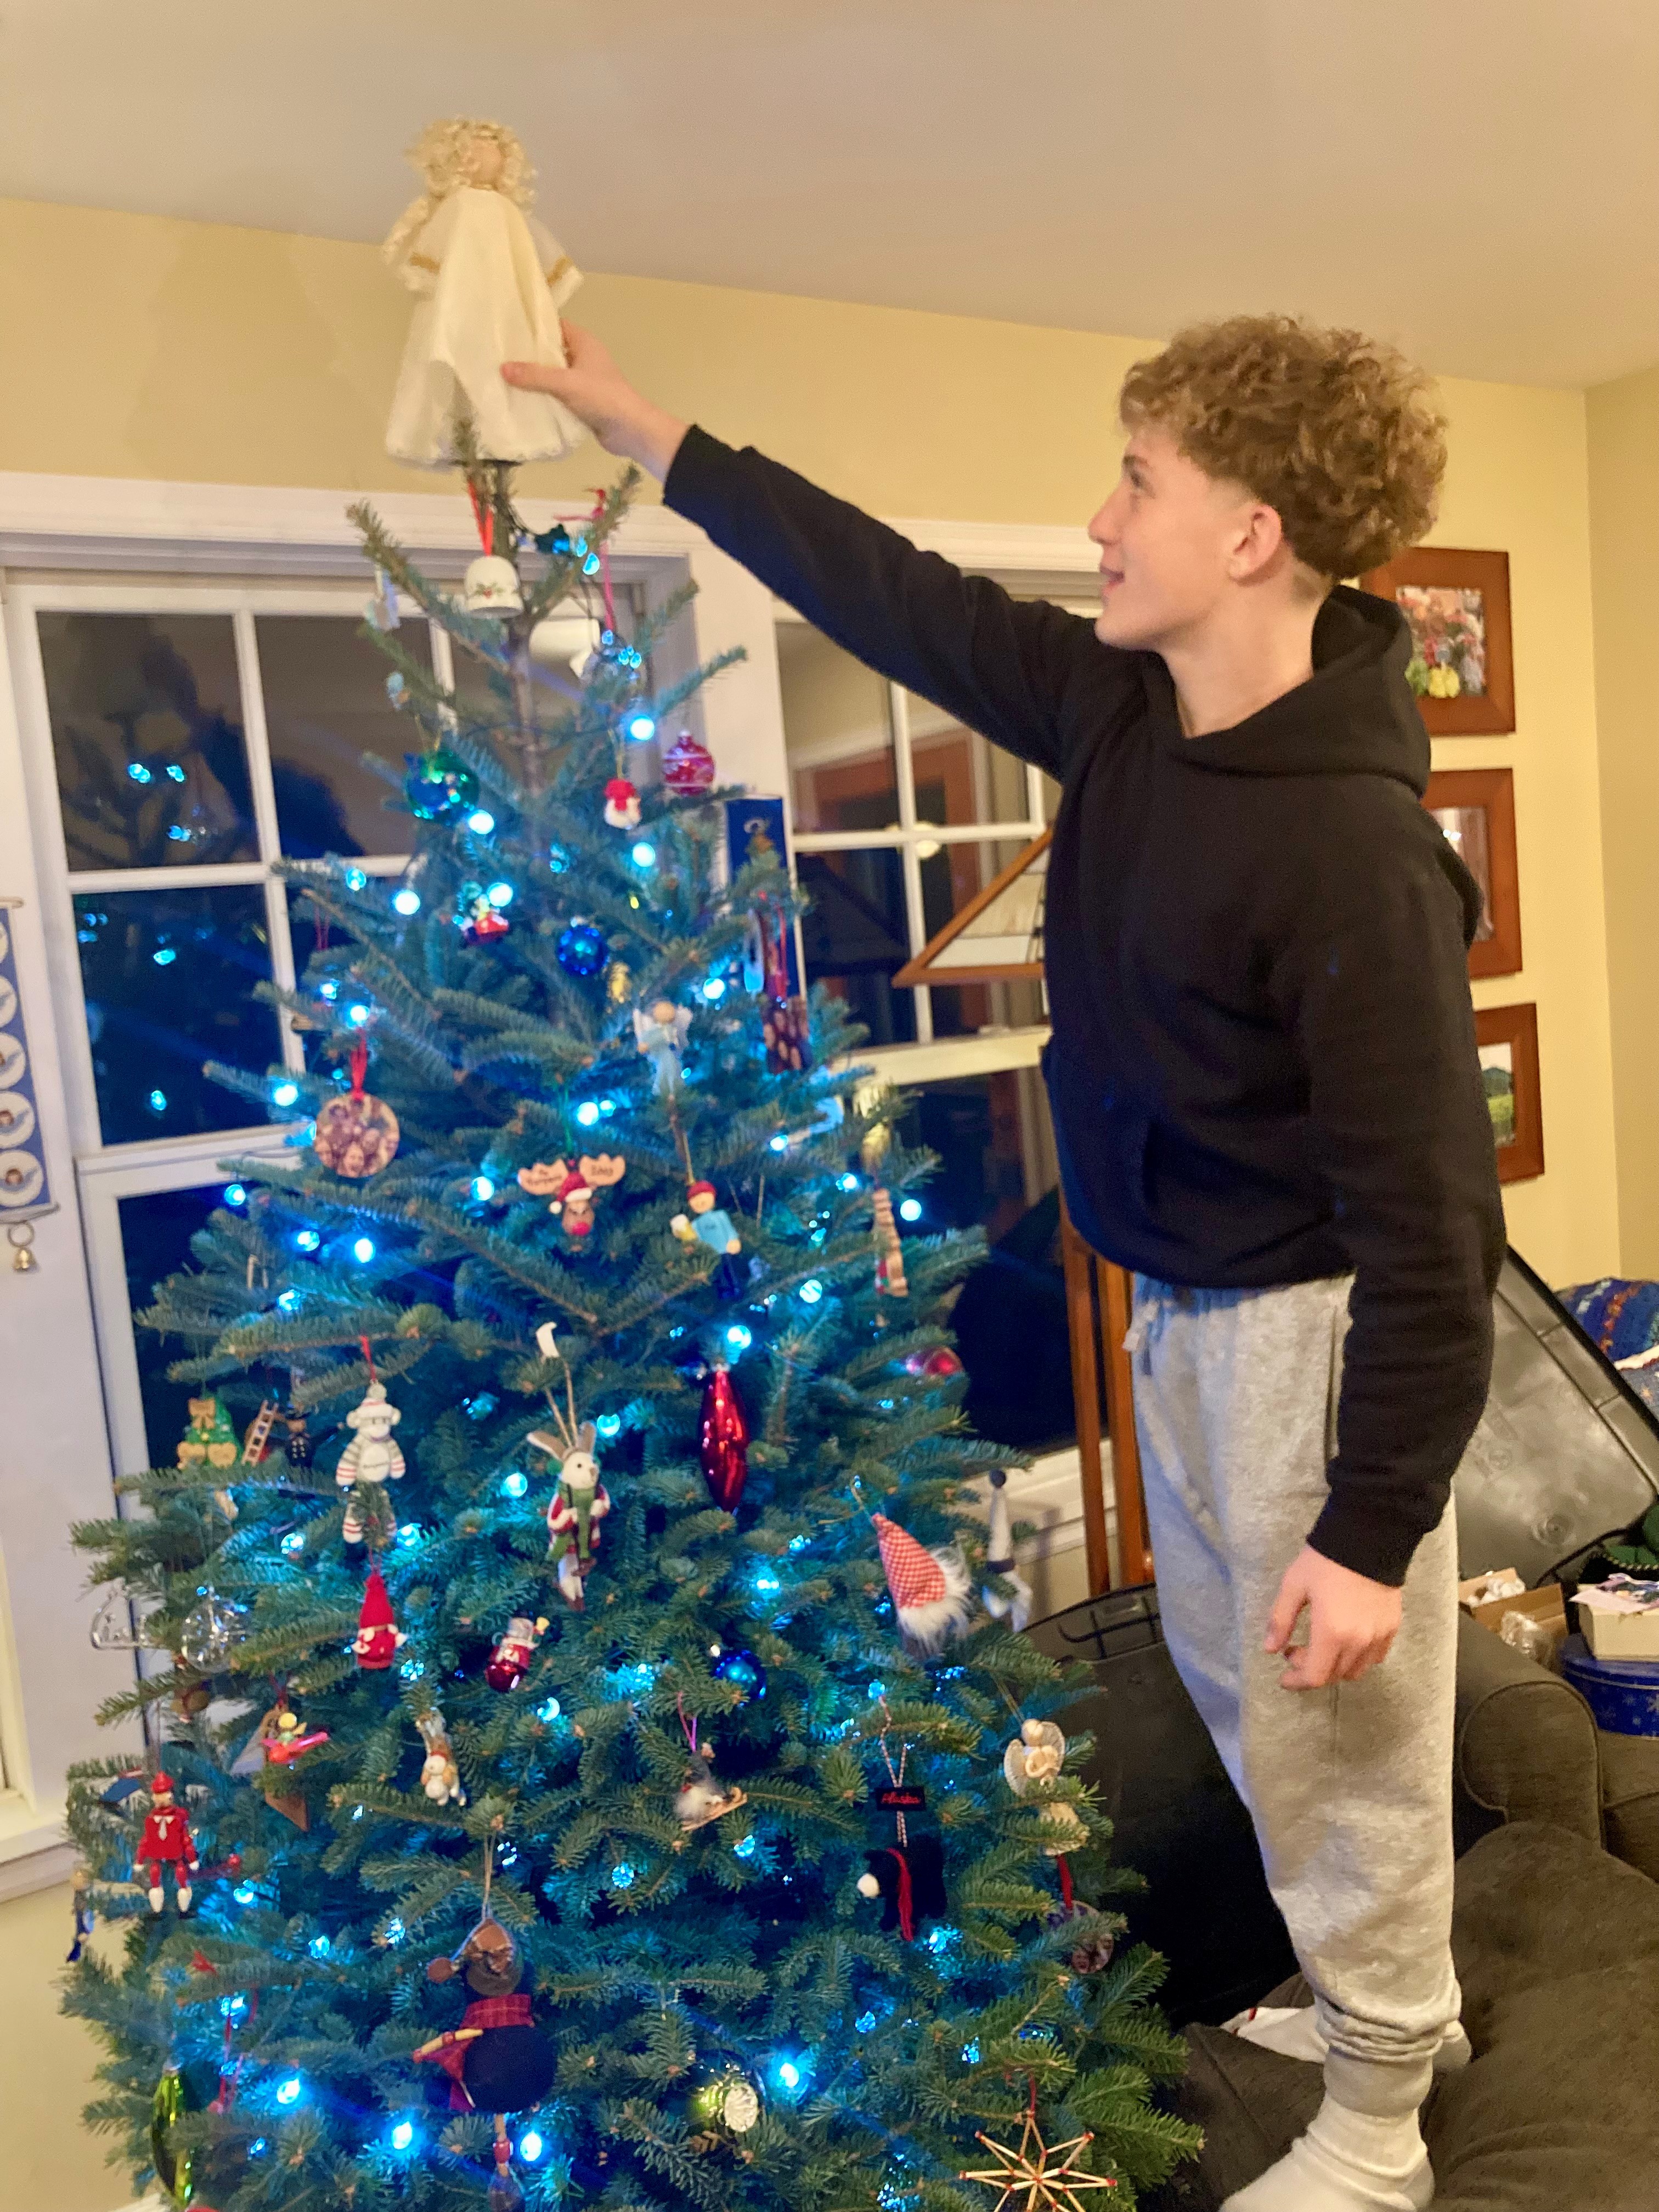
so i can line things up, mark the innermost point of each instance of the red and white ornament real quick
(166, 1842)
(622, 804)
(375, 1645)
(687, 767)
(509, 1662)
(930, 1589)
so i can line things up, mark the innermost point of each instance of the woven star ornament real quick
(1038, 2177)
(930, 1589)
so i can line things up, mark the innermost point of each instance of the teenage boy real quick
(1267, 1098)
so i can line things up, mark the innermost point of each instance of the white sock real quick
(1348, 2161)
(1294, 2031)
(183, 1896)
(156, 1899)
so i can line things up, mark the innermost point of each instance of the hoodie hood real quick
(1357, 715)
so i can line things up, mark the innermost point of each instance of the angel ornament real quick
(490, 280)
(660, 1033)
(1036, 1755)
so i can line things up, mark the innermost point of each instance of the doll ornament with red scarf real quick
(497, 2060)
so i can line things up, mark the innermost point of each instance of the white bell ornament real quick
(491, 587)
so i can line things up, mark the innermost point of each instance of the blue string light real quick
(236, 1194)
(514, 1485)
(139, 773)
(294, 1543)
(644, 854)
(355, 879)
(500, 894)
(483, 1189)
(363, 1250)
(849, 1181)
(480, 822)
(175, 773)
(288, 2093)
(357, 1014)
(744, 1848)
(909, 1209)
(811, 1292)
(740, 1336)
(406, 901)
(157, 1102)
(866, 2023)
(410, 1535)
(622, 1875)
(403, 2135)
(642, 728)
(530, 2147)
(165, 957)
(588, 1113)
(549, 1711)
(609, 1426)
(715, 989)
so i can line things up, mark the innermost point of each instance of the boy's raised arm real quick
(1007, 667)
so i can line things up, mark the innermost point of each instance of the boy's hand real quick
(1352, 1622)
(595, 390)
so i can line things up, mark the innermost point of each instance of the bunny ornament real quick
(490, 280)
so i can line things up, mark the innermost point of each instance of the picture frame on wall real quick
(1475, 809)
(1457, 604)
(1508, 1040)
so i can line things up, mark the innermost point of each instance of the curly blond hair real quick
(1339, 433)
(444, 154)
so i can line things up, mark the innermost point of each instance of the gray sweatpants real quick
(1349, 1787)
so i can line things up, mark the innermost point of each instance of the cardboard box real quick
(1548, 1606)
(1619, 1635)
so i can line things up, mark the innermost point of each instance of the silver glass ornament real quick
(212, 1630)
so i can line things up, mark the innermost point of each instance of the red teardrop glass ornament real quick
(723, 1439)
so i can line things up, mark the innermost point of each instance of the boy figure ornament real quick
(166, 1842)
(1265, 1090)
(490, 280)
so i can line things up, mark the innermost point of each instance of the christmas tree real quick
(594, 1612)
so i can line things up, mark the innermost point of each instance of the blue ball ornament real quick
(580, 949)
(439, 784)
(745, 1670)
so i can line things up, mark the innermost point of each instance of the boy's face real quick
(1174, 544)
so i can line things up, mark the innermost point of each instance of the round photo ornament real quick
(356, 1134)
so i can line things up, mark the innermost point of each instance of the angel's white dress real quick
(490, 280)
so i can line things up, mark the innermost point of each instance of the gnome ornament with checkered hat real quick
(931, 1593)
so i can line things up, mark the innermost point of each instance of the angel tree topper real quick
(489, 282)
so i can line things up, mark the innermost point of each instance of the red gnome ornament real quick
(166, 1841)
(622, 804)
(723, 1438)
(378, 1637)
(930, 1589)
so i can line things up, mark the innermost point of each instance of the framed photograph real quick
(1508, 1039)
(1475, 809)
(1458, 607)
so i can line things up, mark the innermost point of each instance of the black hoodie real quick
(1263, 1067)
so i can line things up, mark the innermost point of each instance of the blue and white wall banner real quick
(23, 1191)
(756, 825)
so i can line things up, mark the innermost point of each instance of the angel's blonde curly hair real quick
(1337, 432)
(444, 154)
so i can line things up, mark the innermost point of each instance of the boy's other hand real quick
(597, 392)
(1352, 1622)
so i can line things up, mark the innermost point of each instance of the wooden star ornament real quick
(1038, 2177)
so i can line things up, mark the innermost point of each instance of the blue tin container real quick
(1622, 1693)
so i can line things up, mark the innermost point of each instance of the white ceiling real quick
(1478, 179)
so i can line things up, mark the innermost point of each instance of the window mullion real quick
(898, 709)
(256, 742)
(1034, 798)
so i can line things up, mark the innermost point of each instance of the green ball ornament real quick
(439, 784)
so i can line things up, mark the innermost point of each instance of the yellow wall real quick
(1624, 475)
(46, 2064)
(139, 347)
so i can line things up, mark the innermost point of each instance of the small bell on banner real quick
(723, 1438)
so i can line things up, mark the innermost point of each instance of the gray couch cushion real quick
(1630, 1799)
(1526, 1742)
(1556, 1945)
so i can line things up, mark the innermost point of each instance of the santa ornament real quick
(930, 1589)
(488, 281)
(355, 1135)
(570, 1191)
(166, 1842)
(375, 1645)
(509, 1662)
(622, 804)
(498, 2061)
(370, 1461)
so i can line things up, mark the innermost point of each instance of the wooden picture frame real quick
(1470, 638)
(1507, 1038)
(1484, 840)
